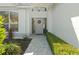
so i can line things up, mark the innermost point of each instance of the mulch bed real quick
(24, 43)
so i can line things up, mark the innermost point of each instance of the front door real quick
(38, 26)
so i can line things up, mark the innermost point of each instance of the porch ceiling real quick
(26, 4)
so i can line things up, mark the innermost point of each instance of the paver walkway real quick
(38, 46)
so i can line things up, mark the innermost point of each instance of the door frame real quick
(33, 31)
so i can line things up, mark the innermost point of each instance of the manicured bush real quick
(12, 49)
(59, 47)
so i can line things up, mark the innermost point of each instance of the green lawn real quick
(59, 47)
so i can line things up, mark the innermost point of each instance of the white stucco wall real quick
(50, 23)
(63, 28)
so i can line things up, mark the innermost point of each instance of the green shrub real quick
(2, 36)
(12, 49)
(65, 49)
(2, 30)
(2, 49)
(59, 47)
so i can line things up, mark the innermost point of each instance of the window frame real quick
(9, 19)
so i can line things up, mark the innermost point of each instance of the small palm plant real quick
(8, 48)
(2, 36)
(2, 30)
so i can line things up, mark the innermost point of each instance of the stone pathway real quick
(38, 46)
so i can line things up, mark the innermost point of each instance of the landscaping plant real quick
(2, 35)
(2, 49)
(8, 48)
(2, 30)
(12, 49)
(59, 47)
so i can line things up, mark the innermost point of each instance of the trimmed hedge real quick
(59, 47)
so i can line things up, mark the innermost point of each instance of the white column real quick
(22, 21)
(50, 20)
(28, 22)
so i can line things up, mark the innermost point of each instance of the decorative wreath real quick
(39, 21)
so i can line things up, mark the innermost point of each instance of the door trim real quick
(45, 19)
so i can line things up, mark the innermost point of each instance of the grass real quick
(60, 47)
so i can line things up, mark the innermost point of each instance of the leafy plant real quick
(2, 30)
(9, 48)
(2, 49)
(12, 49)
(10, 35)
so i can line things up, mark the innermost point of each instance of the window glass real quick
(14, 27)
(5, 16)
(14, 17)
(10, 20)
(14, 20)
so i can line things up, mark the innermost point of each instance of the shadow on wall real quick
(75, 24)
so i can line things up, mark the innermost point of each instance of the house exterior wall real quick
(58, 20)
(25, 16)
(63, 28)
(34, 14)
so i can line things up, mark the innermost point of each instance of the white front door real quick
(38, 26)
